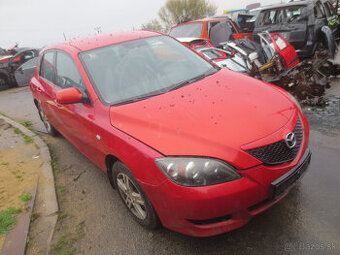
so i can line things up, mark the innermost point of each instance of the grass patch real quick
(60, 188)
(26, 123)
(25, 197)
(3, 114)
(54, 163)
(8, 219)
(17, 131)
(62, 215)
(29, 241)
(34, 216)
(28, 139)
(63, 247)
(4, 163)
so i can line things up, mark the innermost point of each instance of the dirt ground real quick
(19, 168)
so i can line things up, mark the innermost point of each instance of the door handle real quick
(38, 89)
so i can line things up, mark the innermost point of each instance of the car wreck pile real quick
(291, 45)
(274, 60)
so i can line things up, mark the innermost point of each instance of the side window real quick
(293, 13)
(67, 72)
(268, 18)
(47, 68)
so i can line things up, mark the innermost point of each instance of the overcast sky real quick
(39, 22)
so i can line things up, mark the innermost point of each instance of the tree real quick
(177, 11)
(153, 24)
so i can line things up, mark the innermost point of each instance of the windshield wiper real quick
(162, 91)
(192, 80)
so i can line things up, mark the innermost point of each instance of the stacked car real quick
(17, 69)
(291, 45)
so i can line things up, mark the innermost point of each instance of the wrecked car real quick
(271, 58)
(10, 64)
(308, 25)
(186, 144)
(202, 28)
(25, 72)
(220, 57)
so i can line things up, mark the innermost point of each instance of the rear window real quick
(187, 30)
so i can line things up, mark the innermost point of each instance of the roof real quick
(206, 19)
(102, 40)
(274, 6)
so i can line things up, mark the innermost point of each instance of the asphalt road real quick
(307, 221)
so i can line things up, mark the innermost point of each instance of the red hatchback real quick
(186, 144)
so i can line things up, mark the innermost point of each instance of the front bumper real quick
(216, 209)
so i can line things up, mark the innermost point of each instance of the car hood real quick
(213, 117)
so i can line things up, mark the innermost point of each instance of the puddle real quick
(325, 119)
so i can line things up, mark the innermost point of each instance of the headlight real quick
(197, 171)
(295, 101)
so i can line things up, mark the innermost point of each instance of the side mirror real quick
(69, 96)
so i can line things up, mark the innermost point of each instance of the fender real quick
(326, 31)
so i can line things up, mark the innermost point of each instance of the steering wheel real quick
(146, 80)
(65, 82)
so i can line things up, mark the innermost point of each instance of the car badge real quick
(290, 140)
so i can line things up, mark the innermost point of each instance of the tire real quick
(3, 83)
(133, 196)
(49, 128)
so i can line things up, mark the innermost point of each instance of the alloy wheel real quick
(132, 197)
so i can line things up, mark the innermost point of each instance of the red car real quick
(188, 145)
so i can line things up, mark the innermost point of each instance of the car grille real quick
(279, 153)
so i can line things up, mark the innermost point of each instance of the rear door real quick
(268, 20)
(294, 25)
(286, 50)
(48, 88)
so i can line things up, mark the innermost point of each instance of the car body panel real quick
(286, 50)
(207, 106)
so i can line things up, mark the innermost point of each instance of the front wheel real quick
(50, 129)
(133, 196)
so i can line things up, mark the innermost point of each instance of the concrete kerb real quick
(49, 196)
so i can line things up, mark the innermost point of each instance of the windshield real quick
(134, 70)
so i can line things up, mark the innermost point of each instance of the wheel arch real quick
(109, 161)
(4, 75)
(328, 37)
